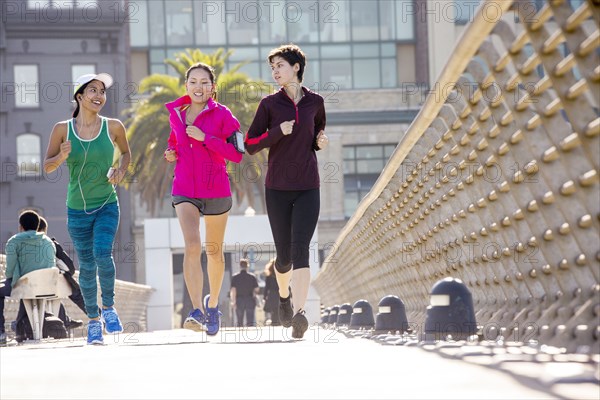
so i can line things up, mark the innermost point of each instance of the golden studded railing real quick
(495, 183)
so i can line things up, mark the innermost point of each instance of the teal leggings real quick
(93, 234)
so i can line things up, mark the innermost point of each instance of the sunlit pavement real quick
(266, 363)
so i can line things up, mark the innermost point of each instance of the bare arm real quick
(119, 136)
(58, 148)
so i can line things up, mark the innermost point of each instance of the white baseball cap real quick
(102, 77)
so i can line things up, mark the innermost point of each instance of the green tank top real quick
(87, 172)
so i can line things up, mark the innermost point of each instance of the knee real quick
(215, 257)
(283, 268)
(103, 257)
(85, 255)
(87, 279)
(193, 248)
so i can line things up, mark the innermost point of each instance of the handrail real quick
(495, 183)
(467, 45)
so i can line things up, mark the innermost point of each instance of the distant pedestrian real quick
(271, 294)
(244, 288)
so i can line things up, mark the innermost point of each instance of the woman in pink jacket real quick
(202, 138)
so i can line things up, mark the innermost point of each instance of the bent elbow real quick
(48, 167)
(251, 149)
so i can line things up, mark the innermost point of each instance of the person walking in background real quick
(27, 251)
(200, 142)
(271, 294)
(291, 124)
(87, 143)
(244, 288)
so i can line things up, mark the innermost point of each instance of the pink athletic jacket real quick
(201, 171)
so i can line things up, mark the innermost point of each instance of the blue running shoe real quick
(111, 320)
(213, 318)
(94, 334)
(195, 321)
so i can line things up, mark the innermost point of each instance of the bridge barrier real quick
(495, 183)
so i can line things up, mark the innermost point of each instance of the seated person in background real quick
(67, 268)
(27, 251)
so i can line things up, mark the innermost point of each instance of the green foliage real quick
(148, 126)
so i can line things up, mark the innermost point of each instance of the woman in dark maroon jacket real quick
(291, 123)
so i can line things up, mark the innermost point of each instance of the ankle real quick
(284, 299)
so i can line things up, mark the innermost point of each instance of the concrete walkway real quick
(265, 363)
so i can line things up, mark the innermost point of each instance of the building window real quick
(365, 20)
(27, 86)
(81, 69)
(334, 18)
(350, 44)
(42, 4)
(242, 21)
(38, 4)
(138, 30)
(210, 29)
(362, 166)
(302, 21)
(180, 29)
(156, 17)
(28, 154)
(405, 20)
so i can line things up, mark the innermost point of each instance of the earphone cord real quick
(85, 153)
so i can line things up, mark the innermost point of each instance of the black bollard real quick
(391, 316)
(344, 315)
(362, 315)
(333, 314)
(325, 315)
(450, 311)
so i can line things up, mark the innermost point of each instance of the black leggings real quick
(293, 217)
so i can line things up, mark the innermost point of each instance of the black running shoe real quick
(299, 325)
(286, 312)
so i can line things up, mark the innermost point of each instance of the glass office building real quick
(354, 44)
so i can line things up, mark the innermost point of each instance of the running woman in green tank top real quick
(87, 143)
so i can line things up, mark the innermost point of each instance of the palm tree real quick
(148, 126)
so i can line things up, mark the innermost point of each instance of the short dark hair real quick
(244, 263)
(292, 54)
(43, 225)
(29, 220)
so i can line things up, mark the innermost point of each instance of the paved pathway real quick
(266, 363)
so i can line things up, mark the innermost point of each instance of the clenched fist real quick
(287, 126)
